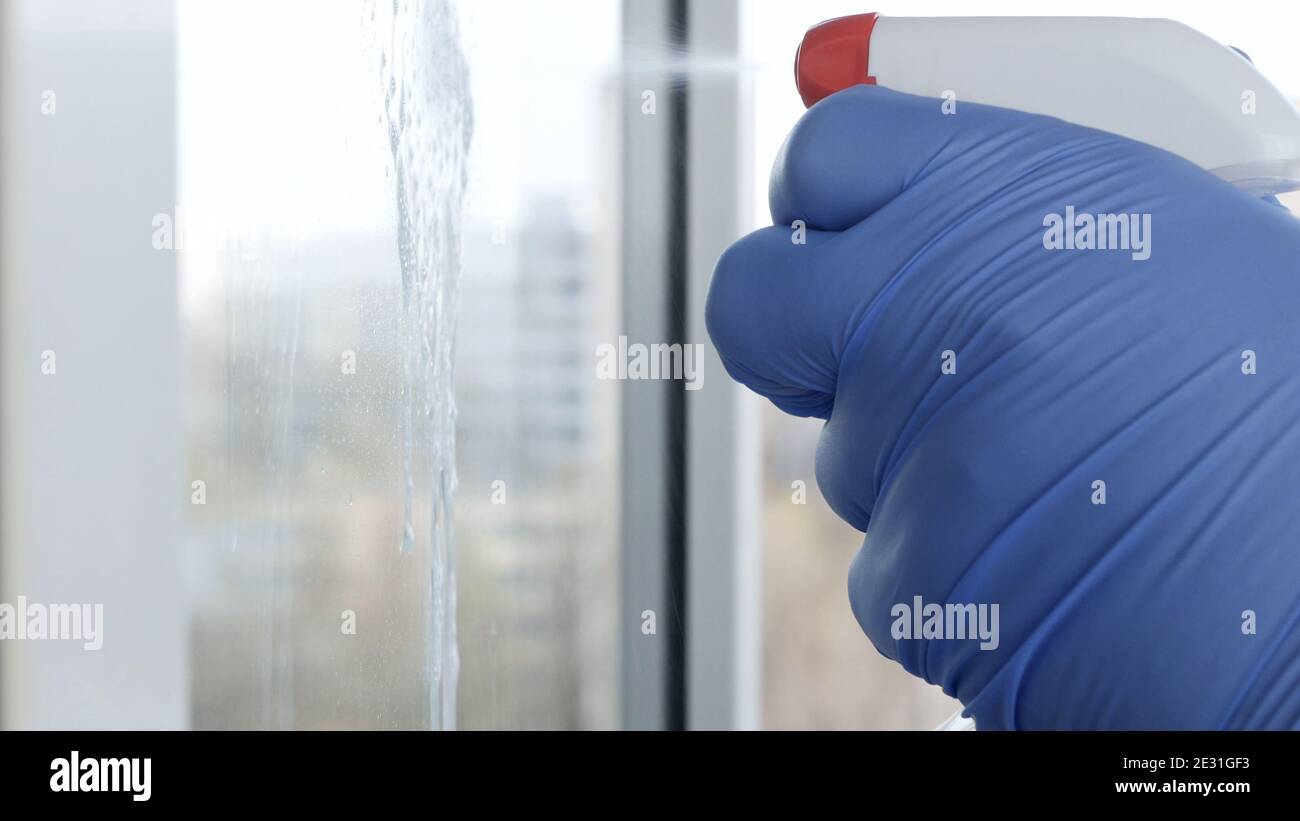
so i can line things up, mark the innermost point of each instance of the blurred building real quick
(534, 523)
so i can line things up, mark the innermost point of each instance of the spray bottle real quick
(1157, 81)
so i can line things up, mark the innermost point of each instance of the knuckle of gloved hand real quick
(745, 308)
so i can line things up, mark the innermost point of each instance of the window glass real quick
(320, 208)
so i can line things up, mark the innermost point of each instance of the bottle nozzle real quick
(833, 57)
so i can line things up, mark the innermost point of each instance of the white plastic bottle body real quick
(1157, 81)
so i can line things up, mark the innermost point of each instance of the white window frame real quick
(93, 487)
(690, 458)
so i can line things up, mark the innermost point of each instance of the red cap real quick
(833, 56)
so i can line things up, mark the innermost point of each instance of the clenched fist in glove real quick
(1060, 373)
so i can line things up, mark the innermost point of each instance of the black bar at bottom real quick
(436, 773)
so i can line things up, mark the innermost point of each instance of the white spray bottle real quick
(1157, 81)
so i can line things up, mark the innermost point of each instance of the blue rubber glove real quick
(976, 472)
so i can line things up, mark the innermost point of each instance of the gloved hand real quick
(975, 472)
